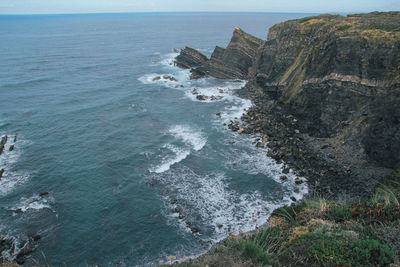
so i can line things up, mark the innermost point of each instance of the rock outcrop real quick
(327, 94)
(190, 58)
(232, 62)
(3, 143)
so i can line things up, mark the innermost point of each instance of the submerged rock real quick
(298, 181)
(214, 98)
(283, 178)
(169, 77)
(201, 97)
(4, 140)
(42, 194)
(195, 230)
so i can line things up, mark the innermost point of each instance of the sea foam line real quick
(193, 140)
(11, 178)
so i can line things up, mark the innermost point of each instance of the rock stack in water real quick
(232, 62)
(3, 143)
(190, 58)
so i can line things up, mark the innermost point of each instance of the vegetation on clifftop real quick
(321, 232)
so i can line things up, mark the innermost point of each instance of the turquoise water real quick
(120, 153)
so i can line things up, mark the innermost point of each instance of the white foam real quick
(180, 154)
(193, 139)
(221, 92)
(235, 112)
(11, 178)
(250, 159)
(207, 197)
(182, 79)
(210, 198)
(189, 136)
(34, 202)
(169, 60)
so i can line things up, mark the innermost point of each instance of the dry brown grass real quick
(9, 264)
(313, 21)
(380, 35)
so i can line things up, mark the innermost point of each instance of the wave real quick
(189, 136)
(177, 80)
(11, 178)
(169, 60)
(206, 198)
(192, 140)
(27, 83)
(207, 201)
(34, 202)
(180, 154)
(246, 157)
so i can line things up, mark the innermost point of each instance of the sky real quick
(103, 6)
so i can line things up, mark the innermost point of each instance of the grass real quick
(321, 232)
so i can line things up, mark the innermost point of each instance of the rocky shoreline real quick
(10, 247)
(328, 168)
(326, 96)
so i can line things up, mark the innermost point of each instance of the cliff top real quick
(384, 26)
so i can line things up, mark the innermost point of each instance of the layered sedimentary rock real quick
(232, 62)
(189, 58)
(327, 95)
(339, 77)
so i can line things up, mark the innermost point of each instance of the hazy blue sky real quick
(88, 6)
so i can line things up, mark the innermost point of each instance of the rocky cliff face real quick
(327, 97)
(232, 62)
(189, 58)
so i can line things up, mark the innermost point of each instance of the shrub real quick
(339, 213)
(326, 249)
(252, 251)
(270, 239)
(344, 27)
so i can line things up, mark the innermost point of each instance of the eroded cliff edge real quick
(327, 96)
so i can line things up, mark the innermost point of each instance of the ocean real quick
(137, 169)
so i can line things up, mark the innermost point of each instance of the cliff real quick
(190, 58)
(232, 62)
(327, 96)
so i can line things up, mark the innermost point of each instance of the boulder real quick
(260, 144)
(298, 181)
(169, 77)
(201, 97)
(283, 178)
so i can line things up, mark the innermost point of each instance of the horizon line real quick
(181, 12)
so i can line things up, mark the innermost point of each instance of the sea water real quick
(132, 164)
